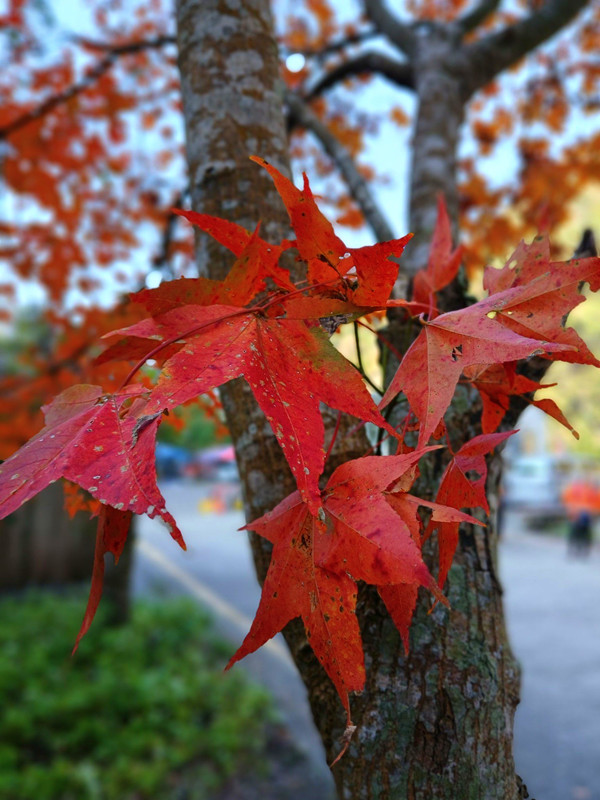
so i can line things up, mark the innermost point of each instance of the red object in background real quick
(581, 495)
(228, 454)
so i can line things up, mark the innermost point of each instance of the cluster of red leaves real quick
(364, 524)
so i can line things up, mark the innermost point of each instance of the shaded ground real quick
(553, 616)
(284, 777)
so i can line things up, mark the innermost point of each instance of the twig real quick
(398, 72)
(92, 76)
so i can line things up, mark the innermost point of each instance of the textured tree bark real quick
(233, 109)
(117, 581)
(438, 722)
(439, 69)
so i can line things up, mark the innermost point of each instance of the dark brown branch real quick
(302, 116)
(161, 260)
(390, 26)
(90, 77)
(499, 51)
(397, 72)
(587, 247)
(472, 19)
(334, 47)
(125, 49)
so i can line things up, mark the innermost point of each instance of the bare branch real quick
(334, 47)
(499, 51)
(472, 19)
(302, 116)
(161, 260)
(390, 26)
(125, 49)
(90, 77)
(397, 72)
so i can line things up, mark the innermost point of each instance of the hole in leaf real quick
(473, 475)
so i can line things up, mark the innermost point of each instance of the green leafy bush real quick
(135, 708)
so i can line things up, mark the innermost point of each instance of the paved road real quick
(553, 615)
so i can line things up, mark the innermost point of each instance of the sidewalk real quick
(552, 604)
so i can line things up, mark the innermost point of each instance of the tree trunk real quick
(43, 546)
(116, 591)
(438, 722)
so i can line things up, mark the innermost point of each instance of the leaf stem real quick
(284, 298)
(271, 300)
(357, 343)
(381, 338)
(361, 367)
(333, 436)
(176, 338)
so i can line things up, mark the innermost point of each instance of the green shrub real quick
(132, 709)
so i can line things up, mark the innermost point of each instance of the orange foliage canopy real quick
(92, 161)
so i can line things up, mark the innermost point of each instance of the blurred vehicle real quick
(531, 481)
(226, 472)
(213, 464)
(171, 460)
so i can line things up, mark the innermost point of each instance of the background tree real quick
(93, 164)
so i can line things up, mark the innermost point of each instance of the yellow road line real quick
(206, 596)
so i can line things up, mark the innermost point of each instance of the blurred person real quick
(580, 534)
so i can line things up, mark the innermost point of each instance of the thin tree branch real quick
(161, 260)
(125, 49)
(472, 19)
(302, 116)
(397, 72)
(361, 366)
(90, 77)
(390, 26)
(333, 47)
(499, 51)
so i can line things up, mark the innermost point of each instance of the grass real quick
(137, 710)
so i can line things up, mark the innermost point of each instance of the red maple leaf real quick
(442, 265)
(462, 486)
(257, 261)
(549, 291)
(450, 343)
(363, 532)
(497, 383)
(113, 527)
(530, 302)
(401, 599)
(98, 441)
(290, 367)
(366, 273)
